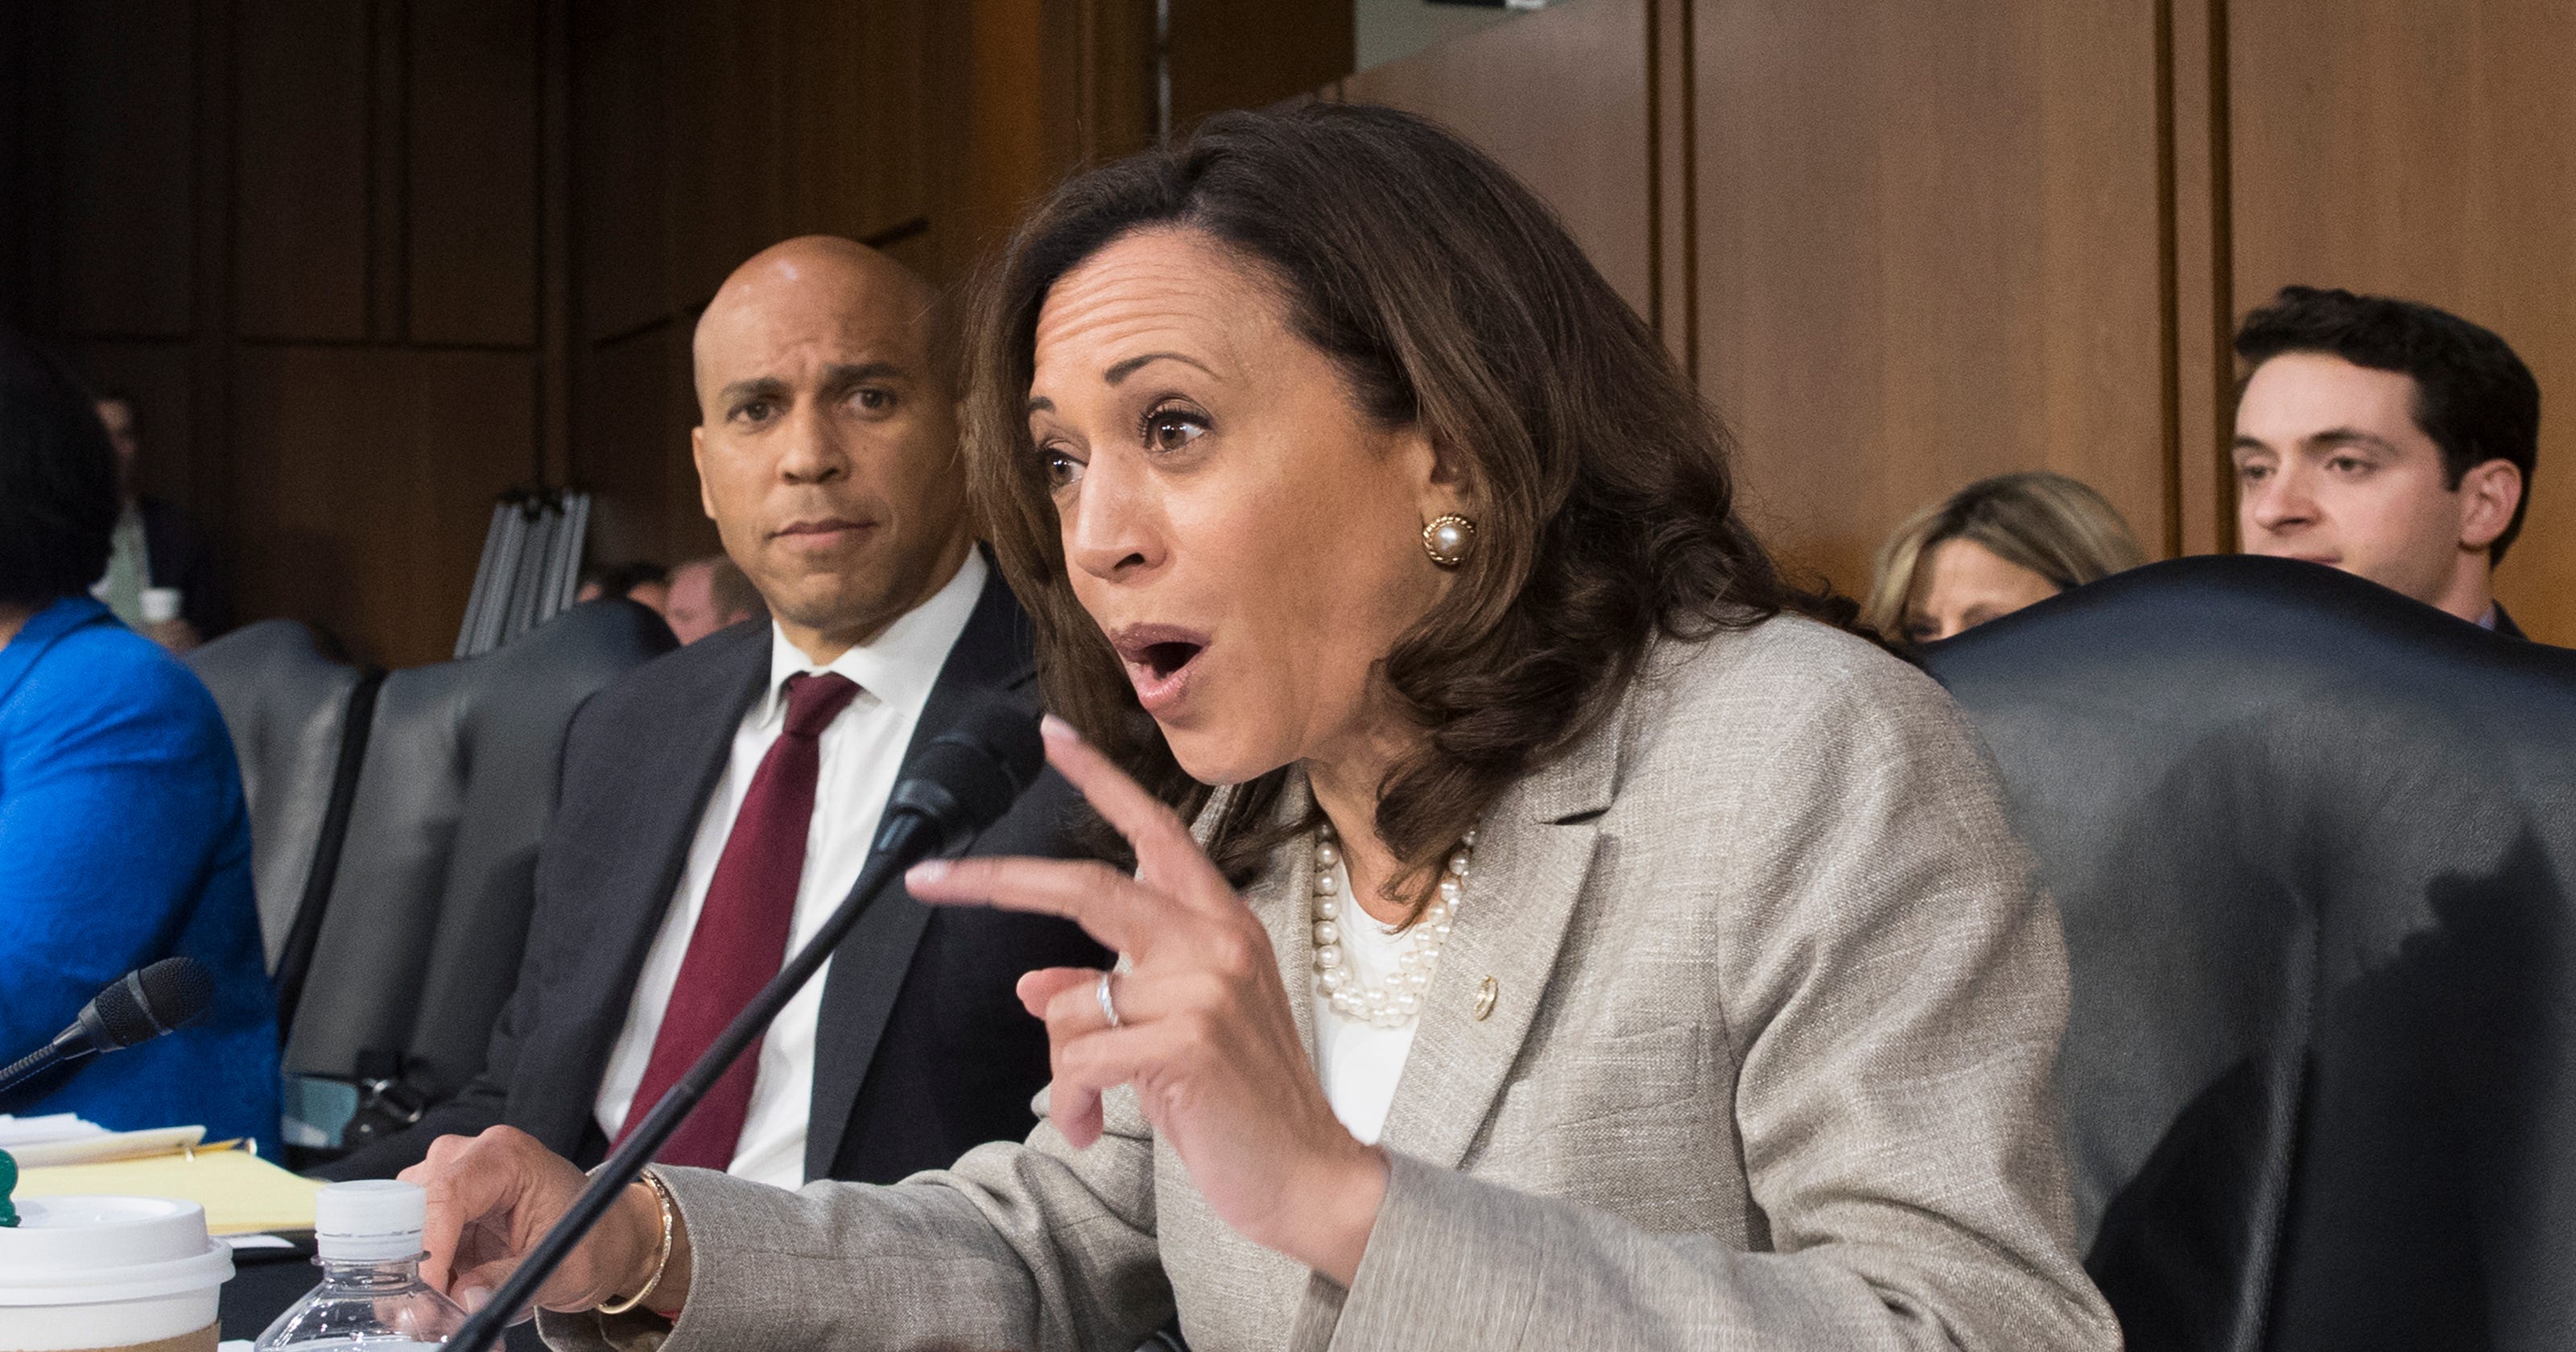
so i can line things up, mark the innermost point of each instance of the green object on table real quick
(8, 1185)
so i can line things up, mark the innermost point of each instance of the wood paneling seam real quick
(2168, 279)
(1690, 189)
(2222, 229)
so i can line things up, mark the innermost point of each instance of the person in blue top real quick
(123, 835)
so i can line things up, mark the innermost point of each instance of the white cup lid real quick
(79, 1250)
(371, 1220)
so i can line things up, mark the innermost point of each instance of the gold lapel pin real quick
(1487, 992)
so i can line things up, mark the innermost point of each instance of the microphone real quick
(963, 781)
(137, 1007)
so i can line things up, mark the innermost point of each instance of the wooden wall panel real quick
(416, 251)
(2426, 151)
(1560, 98)
(1018, 138)
(1232, 54)
(471, 162)
(702, 134)
(1119, 95)
(280, 228)
(857, 123)
(364, 480)
(1900, 246)
(25, 48)
(1672, 86)
(555, 335)
(635, 413)
(726, 184)
(300, 199)
(621, 232)
(125, 231)
(2204, 401)
(1928, 250)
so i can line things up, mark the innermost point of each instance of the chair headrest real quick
(2313, 845)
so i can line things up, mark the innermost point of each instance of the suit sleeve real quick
(1893, 982)
(201, 593)
(1020, 1245)
(183, 557)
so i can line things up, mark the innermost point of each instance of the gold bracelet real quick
(661, 1255)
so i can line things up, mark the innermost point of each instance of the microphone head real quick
(143, 1005)
(968, 776)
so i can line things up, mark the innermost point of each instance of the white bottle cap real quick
(161, 604)
(374, 1221)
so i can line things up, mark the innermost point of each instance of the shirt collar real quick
(899, 666)
(37, 635)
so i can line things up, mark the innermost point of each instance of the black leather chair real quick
(298, 712)
(420, 938)
(2314, 845)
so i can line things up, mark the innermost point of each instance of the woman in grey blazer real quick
(1593, 945)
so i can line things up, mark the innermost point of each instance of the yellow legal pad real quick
(242, 1193)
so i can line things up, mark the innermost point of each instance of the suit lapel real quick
(1294, 923)
(690, 748)
(1532, 858)
(1279, 899)
(993, 652)
(39, 634)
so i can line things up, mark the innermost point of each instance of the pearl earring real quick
(1447, 539)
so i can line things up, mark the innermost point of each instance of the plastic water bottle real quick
(371, 1297)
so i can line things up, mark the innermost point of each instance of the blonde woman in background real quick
(1990, 549)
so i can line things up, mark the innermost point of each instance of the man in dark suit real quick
(157, 545)
(2386, 438)
(716, 804)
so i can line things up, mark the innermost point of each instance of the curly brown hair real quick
(1451, 299)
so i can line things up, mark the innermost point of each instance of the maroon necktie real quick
(741, 936)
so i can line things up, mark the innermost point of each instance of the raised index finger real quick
(1166, 854)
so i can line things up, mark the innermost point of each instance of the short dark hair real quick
(617, 579)
(58, 498)
(2473, 396)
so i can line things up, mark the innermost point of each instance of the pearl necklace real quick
(1398, 1002)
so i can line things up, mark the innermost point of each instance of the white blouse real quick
(1359, 1061)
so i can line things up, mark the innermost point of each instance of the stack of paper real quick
(61, 1155)
(241, 1192)
(108, 1145)
(20, 1132)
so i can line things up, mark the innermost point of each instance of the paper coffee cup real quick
(115, 1274)
(160, 604)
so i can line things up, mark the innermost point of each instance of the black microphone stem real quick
(67, 1048)
(904, 841)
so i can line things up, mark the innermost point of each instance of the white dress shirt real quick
(861, 751)
(1358, 1061)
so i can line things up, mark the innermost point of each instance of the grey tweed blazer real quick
(1769, 1068)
